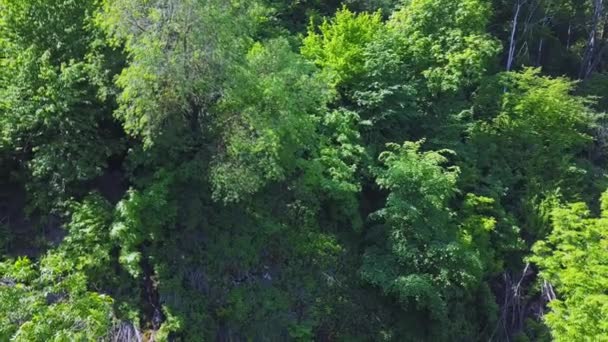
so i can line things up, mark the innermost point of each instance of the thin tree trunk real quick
(540, 52)
(540, 43)
(588, 61)
(512, 42)
(548, 291)
(569, 36)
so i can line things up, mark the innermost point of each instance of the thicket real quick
(392, 170)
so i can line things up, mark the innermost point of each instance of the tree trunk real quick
(589, 58)
(512, 39)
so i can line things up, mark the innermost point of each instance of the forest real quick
(303, 170)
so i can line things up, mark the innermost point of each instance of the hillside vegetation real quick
(303, 170)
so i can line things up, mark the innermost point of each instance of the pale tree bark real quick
(540, 53)
(514, 305)
(512, 42)
(548, 291)
(525, 46)
(545, 21)
(569, 36)
(593, 51)
(541, 42)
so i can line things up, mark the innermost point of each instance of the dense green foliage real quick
(392, 170)
(574, 259)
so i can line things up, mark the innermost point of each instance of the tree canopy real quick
(391, 170)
